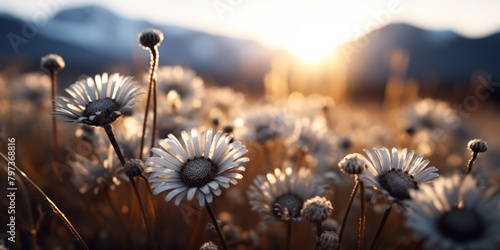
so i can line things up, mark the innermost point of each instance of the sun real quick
(309, 30)
(313, 42)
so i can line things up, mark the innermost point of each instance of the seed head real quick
(328, 240)
(134, 167)
(52, 62)
(316, 209)
(208, 246)
(353, 164)
(477, 146)
(150, 38)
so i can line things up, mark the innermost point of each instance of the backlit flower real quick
(199, 166)
(280, 196)
(455, 214)
(396, 173)
(97, 102)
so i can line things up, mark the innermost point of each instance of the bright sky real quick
(307, 28)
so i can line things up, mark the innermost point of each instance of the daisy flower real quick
(429, 114)
(97, 102)
(280, 196)
(182, 83)
(396, 173)
(97, 170)
(266, 123)
(199, 166)
(455, 214)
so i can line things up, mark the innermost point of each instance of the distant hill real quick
(91, 39)
(442, 54)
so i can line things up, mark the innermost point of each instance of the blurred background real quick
(337, 45)
(404, 73)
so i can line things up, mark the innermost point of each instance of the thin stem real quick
(216, 225)
(55, 209)
(470, 164)
(152, 79)
(289, 235)
(153, 136)
(55, 144)
(353, 194)
(152, 88)
(144, 122)
(381, 226)
(319, 229)
(362, 218)
(112, 139)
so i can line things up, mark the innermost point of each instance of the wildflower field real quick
(164, 159)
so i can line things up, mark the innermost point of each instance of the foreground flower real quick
(395, 173)
(452, 214)
(199, 166)
(97, 102)
(280, 196)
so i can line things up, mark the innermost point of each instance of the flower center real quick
(198, 172)
(106, 105)
(398, 183)
(287, 207)
(265, 133)
(461, 225)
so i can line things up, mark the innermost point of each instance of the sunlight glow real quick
(309, 30)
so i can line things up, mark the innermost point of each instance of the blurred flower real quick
(353, 164)
(266, 123)
(430, 114)
(208, 246)
(455, 214)
(223, 103)
(150, 38)
(200, 166)
(477, 145)
(52, 62)
(98, 102)
(395, 174)
(316, 209)
(98, 170)
(280, 196)
(188, 87)
(327, 241)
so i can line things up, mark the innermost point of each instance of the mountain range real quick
(93, 39)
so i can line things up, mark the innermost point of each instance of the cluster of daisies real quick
(191, 142)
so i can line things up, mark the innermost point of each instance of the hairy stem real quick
(351, 199)
(362, 218)
(470, 164)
